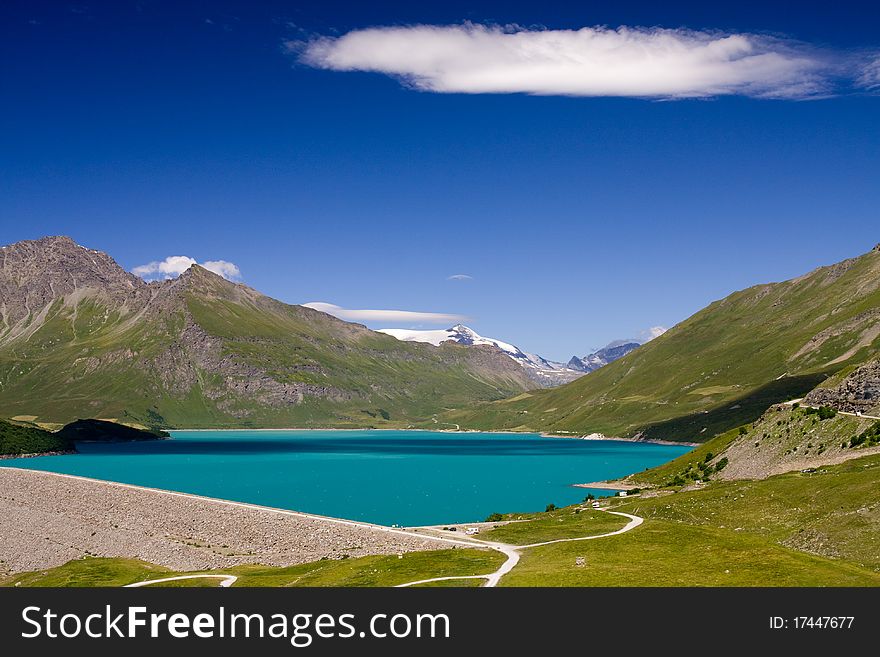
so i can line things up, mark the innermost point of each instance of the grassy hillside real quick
(833, 511)
(720, 368)
(202, 351)
(670, 554)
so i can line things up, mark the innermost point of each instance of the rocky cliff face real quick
(859, 392)
(81, 337)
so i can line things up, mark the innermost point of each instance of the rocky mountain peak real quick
(34, 273)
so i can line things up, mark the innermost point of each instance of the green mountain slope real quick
(80, 337)
(718, 369)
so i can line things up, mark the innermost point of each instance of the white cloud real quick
(870, 75)
(460, 277)
(395, 316)
(227, 270)
(174, 266)
(168, 268)
(654, 332)
(592, 61)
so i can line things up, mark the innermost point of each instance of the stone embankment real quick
(47, 520)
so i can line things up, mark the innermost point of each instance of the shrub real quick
(494, 517)
(824, 412)
(722, 463)
(550, 507)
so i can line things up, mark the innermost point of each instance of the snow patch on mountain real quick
(545, 372)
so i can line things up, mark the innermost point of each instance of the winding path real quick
(227, 580)
(512, 553)
(792, 402)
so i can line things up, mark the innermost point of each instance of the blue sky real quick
(158, 129)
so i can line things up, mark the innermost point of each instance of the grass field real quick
(388, 570)
(833, 511)
(562, 523)
(662, 553)
(90, 572)
(818, 528)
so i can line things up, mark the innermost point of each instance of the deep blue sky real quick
(153, 129)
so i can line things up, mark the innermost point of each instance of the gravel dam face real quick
(47, 520)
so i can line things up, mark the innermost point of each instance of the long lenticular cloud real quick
(592, 61)
(352, 315)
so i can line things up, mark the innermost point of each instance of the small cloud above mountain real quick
(174, 266)
(650, 333)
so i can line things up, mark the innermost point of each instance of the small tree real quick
(826, 413)
(550, 507)
(494, 517)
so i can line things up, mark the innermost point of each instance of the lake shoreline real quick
(542, 434)
(33, 455)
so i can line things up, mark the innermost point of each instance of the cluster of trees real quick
(703, 470)
(17, 439)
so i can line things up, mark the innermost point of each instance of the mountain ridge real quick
(80, 337)
(722, 367)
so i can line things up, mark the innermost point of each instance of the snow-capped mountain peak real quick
(542, 370)
(600, 358)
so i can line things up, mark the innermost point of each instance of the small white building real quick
(596, 505)
(622, 493)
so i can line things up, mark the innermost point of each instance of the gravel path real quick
(48, 519)
(512, 553)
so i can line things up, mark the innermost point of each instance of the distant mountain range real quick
(544, 372)
(602, 357)
(82, 337)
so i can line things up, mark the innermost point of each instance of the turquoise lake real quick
(386, 477)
